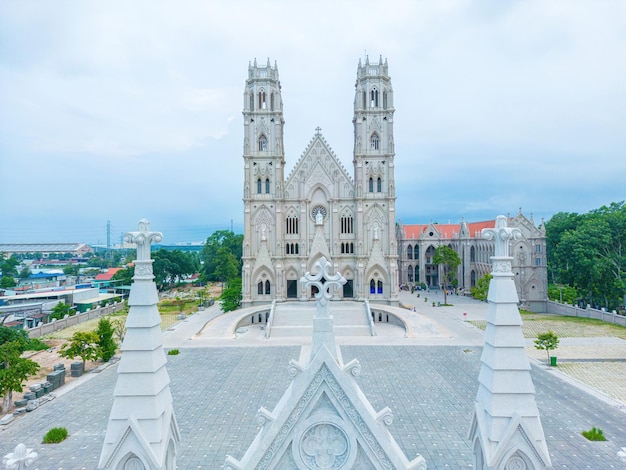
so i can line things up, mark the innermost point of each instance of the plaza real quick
(220, 380)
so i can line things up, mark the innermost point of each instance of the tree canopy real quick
(449, 260)
(171, 267)
(588, 252)
(222, 256)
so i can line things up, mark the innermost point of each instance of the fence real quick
(56, 325)
(575, 311)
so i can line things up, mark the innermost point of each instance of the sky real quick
(115, 111)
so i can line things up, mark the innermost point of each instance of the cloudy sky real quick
(114, 111)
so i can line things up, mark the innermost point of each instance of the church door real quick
(292, 288)
(348, 290)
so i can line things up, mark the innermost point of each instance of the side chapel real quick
(319, 209)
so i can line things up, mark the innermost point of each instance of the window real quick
(538, 248)
(259, 288)
(379, 185)
(384, 99)
(267, 287)
(251, 102)
(343, 248)
(380, 287)
(372, 287)
(347, 224)
(410, 273)
(267, 186)
(258, 186)
(409, 252)
(537, 261)
(262, 103)
(272, 102)
(291, 249)
(291, 225)
(371, 185)
(262, 143)
(374, 98)
(374, 141)
(364, 99)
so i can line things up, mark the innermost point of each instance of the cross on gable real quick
(318, 130)
(323, 280)
(143, 239)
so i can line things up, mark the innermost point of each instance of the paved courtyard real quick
(430, 388)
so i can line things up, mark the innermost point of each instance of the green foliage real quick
(119, 328)
(171, 266)
(24, 273)
(594, 434)
(566, 294)
(70, 269)
(547, 341)
(173, 352)
(9, 266)
(587, 252)
(450, 261)
(231, 297)
(83, 344)
(60, 310)
(14, 370)
(125, 275)
(106, 344)
(217, 251)
(7, 281)
(55, 435)
(481, 290)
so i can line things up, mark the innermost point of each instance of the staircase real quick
(296, 319)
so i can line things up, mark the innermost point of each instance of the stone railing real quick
(370, 320)
(270, 320)
(56, 325)
(575, 311)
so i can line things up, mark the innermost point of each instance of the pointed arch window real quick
(251, 102)
(410, 273)
(267, 287)
(374, 98)
(364, 99)
(385, 99)
(267, 186)
(347, 224)
(272, 102)
(262, 143)
(291, 225)
(380, 287)
(371, 185)
(374, 141)
(379, 185)
(262, 102)
(259, 288)
(259, 185)
(409, 252)
(372, 286)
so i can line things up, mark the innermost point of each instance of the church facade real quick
(319, 209)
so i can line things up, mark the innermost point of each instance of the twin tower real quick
(319, 209)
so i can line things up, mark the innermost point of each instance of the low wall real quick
(56, 325)
(575, 311)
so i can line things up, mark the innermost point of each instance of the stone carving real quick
(324, 445)
(502, 236)
(325, 289)
(143, 239)
(20, 458)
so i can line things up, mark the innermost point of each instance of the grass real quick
(173, 352)
(55, 435)
(594, 434)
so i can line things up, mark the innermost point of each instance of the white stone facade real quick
(357, 212)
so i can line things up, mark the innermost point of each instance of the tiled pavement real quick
(430, 389)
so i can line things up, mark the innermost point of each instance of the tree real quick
(231, 297)
(24, 273)
(60, 310)
(220, 239)
(547, 341)
(125, 275)
(171, 266)
(106, 344)
(70, 269)
(14, 370)
(481, 290)
(226, 265)
(450, 261)
(7, 281)
(119, 328)
(83, 344)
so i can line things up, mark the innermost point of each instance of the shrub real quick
(106, 344)
(173, 352)
(594, 434)
(55, 435)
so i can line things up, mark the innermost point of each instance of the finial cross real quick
(143, 238)
(324, 289)
(318, 130)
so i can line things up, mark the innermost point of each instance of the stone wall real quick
(575, 311)
(56, 325)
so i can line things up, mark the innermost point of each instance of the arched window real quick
(372, 287)
(343, 248)
(262, 143)
(267, 186)
(380, 287)
(259, 288)
(262, 103)
(410, 273)
(364, 99)
(371, 185)
(251, 102)
(291, 225)
(272, 102)
(379, 185)
(258, 186)
(297, 252)
(374, 141)
(409, 252)
(385, 99)
(347, 224)
(416, 252)
(374, 98)
(417, 273)
(267, 287)
(351, 247)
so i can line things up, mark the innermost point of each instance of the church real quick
(321, 209)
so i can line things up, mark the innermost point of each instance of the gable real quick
(319, 166)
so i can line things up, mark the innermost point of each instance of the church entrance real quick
(348, 289)
(292, 288)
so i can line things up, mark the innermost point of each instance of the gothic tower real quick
(374, 176)
(264, 175)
